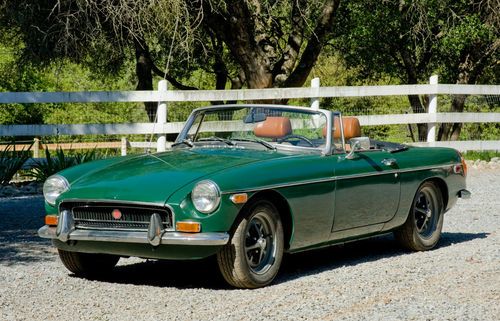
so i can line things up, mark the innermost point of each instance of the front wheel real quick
(253, 256)
(422, 229)
(87, 264)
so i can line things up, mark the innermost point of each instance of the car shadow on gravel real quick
(20, 219)
(354, 253)
(204, 273)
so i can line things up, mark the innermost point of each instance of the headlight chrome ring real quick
(205, 196)
(54, 186)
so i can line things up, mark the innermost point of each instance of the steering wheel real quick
(287, 138)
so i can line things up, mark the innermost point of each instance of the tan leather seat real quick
(351, 126)
(273, 127)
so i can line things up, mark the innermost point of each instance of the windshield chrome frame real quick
(329, 115)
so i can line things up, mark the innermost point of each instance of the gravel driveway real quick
(366, 280)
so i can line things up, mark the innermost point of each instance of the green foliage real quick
(53, 164)
(483, 155)
(10, 162)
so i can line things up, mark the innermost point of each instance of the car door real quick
(367, 189)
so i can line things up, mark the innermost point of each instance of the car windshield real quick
(258, 127)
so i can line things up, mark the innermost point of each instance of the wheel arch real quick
(282, 206)
(443, 189)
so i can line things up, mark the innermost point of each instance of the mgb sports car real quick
(248, 183)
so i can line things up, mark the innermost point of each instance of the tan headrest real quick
(273, 127)
(351, 128)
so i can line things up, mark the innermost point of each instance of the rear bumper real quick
(167, 238)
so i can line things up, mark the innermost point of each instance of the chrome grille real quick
(97, 215)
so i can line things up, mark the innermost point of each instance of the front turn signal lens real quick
(189, 227)
(51, 219)
(239, 198)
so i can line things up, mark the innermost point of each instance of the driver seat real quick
(273, 127)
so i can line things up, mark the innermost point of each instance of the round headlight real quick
(53, 187)
(205, 196)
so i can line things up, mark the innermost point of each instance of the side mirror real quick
(358, 143)
(364, 142)
(354, 147)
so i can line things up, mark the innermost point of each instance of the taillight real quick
(464, 164)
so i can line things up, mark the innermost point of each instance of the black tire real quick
(423, 226)
(86, 264)
(253, 256)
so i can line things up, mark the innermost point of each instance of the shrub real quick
(11, 161)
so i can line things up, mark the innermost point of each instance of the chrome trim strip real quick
(96, 200)
(335, 178)
(273, 186)
(168, 238)
(422, 168)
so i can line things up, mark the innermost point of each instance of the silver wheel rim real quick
(260, 243)
(425, 214)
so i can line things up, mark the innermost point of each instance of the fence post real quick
(431, 127)
(161, 117)
(36, 148)
(124, 146)
(315, 84)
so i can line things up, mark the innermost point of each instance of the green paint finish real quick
(152, 178)
(355, 197)
(328, 200)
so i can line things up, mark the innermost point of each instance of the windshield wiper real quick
(215, 138)
(256, 140)
(184, 141)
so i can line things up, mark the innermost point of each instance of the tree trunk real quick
(143, 70)
(418, 107)
(452, 131)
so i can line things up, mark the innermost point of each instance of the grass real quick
(483, 155)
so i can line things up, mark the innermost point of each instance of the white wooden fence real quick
(315, 92)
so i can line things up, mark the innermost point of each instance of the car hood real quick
(153, 178)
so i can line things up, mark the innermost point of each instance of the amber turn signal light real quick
(189, 227)
(239, 198)
(51, 219)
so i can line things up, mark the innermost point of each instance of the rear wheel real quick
(422, 229)
(253, 256)
(87, 264)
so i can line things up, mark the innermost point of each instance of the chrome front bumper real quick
(65, 231)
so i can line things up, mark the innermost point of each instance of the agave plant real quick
(11, 161)
(42, 169)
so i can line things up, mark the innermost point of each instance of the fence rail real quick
(163, 95)
(175, 127)
(245, 94)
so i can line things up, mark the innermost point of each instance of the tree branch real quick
(314, 46)
(289, 57)
(171, 79)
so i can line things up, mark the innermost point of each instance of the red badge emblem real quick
(116, 214)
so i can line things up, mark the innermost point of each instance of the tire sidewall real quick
(238, 242)
(436, 197)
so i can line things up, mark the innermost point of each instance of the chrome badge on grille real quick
(116, 214)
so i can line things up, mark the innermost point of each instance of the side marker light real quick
(239, 198)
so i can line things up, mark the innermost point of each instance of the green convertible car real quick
(247, 183)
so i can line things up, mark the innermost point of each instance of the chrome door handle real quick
(389, 161)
